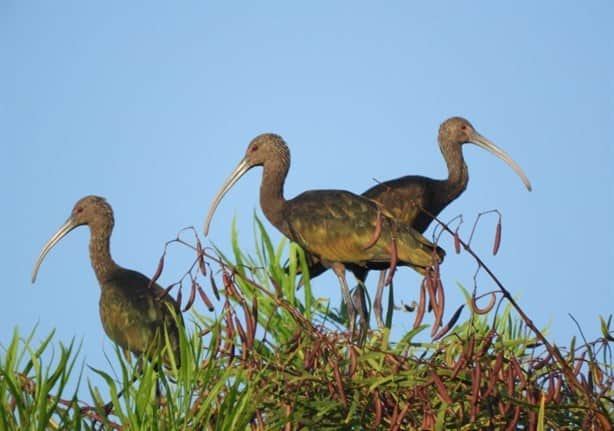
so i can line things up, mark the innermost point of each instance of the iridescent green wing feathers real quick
(339, 226)
(134, 315)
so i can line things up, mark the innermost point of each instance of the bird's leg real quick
(377, 232)
(339, 270)
(359, 298)
(377, 304)
(394, 258)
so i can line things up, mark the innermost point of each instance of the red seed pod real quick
(492, 381)
(579, 363)
(550, 394)
(510, 381)
(557, 390)
(429, 419)
(205, 298)
(216, 292)
(476, 378)
(167, 290)
(438, 311)
(308, 362)
(542, 362)
(597, 375)
(441, 388)
(421, 305)
(393, 419)
(338, 380)
(450, 324)
(498, 364)
(378, 409)
(441, 298)
(470, 347)
(485, 310)
(487, 342)
(240, 330)
(158, 271)
(229, 286)
(518, 372)
(512, 425)
(503, 408)
(353, 362)
(251, 330)
(230, 333)
(191, 298)
(458, 366)
(201, 258)
(497, 238)
(430, 285)
(457, 244)
(377, 232)
(179, 297)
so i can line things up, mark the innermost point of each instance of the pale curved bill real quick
(237, 173)
(60, 233)
(482, 142)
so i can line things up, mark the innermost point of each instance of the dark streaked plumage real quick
(335, 225)
(132, 314)
(406, 197)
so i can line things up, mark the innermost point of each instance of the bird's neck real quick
(458, 174)
(100, 253)
(272, 193)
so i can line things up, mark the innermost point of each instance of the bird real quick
(136, 314)
(415, 200)
(342, 229)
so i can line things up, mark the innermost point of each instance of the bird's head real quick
(266, 147)
(263, 149)
(90, 210)
(456, 131)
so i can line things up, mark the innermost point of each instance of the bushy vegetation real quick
(275, 357)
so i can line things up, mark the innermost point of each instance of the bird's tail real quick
(416, 251)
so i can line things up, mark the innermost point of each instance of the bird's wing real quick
(339, 226)
(403, 197)
(133, 313)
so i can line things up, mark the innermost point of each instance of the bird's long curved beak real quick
(60, 233)
(482, 142)
(237, 173)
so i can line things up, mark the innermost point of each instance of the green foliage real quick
(32, 385)
(275, 357)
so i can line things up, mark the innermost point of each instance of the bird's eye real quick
(79, 210)
(253, 148)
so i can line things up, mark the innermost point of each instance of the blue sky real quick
(152, 104)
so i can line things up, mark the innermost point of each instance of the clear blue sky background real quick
(151, 104)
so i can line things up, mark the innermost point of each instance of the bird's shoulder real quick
(133, 284)
(328, 204)
(407, 187)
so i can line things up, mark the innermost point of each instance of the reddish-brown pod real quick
(179, 296)
(191, 298)
(216, 292)
(204, 297)
(495, 248)
(158, 272)
(421, 305)
(457, 245)
(201, 259)
(166, 291)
